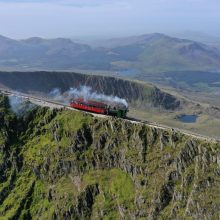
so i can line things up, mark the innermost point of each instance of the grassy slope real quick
(148, 53)
(206, 124)
(64, 152)
(163, 53)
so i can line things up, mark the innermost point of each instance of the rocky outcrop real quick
(136, 93)
(69, 165)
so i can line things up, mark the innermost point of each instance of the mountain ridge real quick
(61, 164)
(136, 93)
(146, 53)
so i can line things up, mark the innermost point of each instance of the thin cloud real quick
(108, 18)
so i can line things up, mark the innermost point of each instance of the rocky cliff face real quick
(59, 164)
(138, 94)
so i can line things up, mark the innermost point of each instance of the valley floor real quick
(205, 124)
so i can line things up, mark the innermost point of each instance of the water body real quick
(188, 118)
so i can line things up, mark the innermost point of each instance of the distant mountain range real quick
(146, 53)
(198, 36)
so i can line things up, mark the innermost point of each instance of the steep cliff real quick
(60, 164)
(138, 94)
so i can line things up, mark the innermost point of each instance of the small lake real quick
(188, 118)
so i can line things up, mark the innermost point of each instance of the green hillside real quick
(160, 53)
(145, 53)
(57, 164)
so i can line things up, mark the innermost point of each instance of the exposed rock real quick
(67, 165)
(137, 94)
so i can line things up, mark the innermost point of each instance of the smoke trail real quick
(56, 94)
(86, 93)
(19, 105)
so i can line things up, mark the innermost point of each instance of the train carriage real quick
(107, 108)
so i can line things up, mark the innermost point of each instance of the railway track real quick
(45, 102)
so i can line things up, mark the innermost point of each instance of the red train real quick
(114, 108)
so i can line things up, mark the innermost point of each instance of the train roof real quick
(100, 104)
(89, 102)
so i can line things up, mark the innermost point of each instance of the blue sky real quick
(106, 18)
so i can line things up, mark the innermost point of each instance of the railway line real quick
(46, 102)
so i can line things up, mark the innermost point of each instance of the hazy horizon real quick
(107, 19)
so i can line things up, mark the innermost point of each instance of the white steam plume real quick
(19, 105)
(56, 94)
(86, 93)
